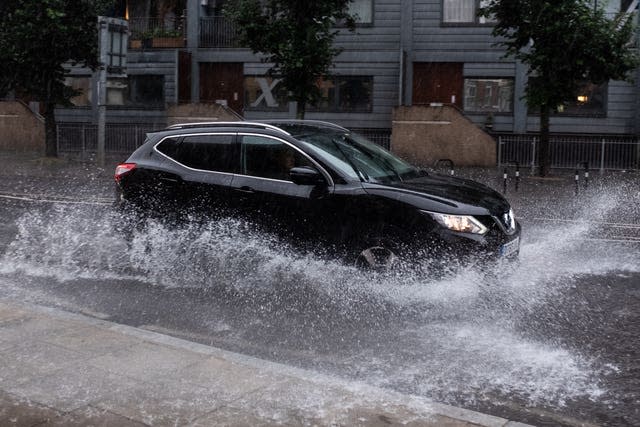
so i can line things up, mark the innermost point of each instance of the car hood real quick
(452, 193)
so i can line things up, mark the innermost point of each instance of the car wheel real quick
(377, 258)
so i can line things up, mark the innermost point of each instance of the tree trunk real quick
(301, 110)
(51, 137)
(544, 153)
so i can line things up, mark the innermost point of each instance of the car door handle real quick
(245, 189)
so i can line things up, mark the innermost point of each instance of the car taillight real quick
(122, 169)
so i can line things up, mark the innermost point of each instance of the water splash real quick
(463, 341)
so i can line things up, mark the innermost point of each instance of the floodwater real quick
(551, 338)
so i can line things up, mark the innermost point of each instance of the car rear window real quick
(216, 153)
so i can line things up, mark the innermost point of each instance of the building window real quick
(625, 6)
(341, 94)
(147, 89)
(263, 93)
(488, 95)
(362, 10)
(345, 94)
(83, 86)
(590, 100)
(135, 91)
(463, 12)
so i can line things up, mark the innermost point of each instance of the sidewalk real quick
(63, 369)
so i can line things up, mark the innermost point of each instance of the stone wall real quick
(20, 129)
(425, 134)
(193, 113)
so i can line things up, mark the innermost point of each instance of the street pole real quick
(102, 92)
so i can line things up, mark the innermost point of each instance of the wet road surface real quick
(550, 340)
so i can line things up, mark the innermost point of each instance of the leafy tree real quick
(296, 36)
(37, 39)
(564, 43)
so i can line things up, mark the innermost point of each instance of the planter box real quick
(168, 42)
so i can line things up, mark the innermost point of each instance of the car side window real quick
(270, 158)
(214, 153)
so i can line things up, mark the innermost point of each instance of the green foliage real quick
(296, 37)
(37, 37)
(564, 43)
(161, 32)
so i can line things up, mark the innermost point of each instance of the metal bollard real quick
(586, 175)
(517, 163)
(505, 175)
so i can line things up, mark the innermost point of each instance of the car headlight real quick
(459, 223)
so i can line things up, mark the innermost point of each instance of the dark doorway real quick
(440, 82)
(223, 82)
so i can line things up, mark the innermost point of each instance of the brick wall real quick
(190, 113)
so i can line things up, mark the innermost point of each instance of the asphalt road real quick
(550, 340)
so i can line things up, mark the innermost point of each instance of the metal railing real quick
(217, 31)
(153, 32)
(82, 138)
(382, 137)
(600, 151)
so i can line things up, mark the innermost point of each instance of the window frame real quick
(334, 106)
(162, 102)
(180, 138)
(476, 19)
(601, 113)
(489, 111)
(364, 24)
(560, 110)
(69, 79)
(240, 172)
(279, 86)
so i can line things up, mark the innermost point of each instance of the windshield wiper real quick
(361, 174)
(389, 166)
(384, 161)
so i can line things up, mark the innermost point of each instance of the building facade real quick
(403, 52)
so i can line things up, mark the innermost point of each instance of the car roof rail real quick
(240, 123)
(319, 123)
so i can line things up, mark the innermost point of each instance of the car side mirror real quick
(306, 175)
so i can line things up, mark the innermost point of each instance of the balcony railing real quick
(152, 32)
(217, 31)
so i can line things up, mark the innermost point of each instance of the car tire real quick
(379, 253)
(377, 258)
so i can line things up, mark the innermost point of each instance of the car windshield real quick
(354, 155)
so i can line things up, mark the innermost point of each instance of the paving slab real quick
(138, 377)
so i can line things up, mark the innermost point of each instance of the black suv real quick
(320, 185)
